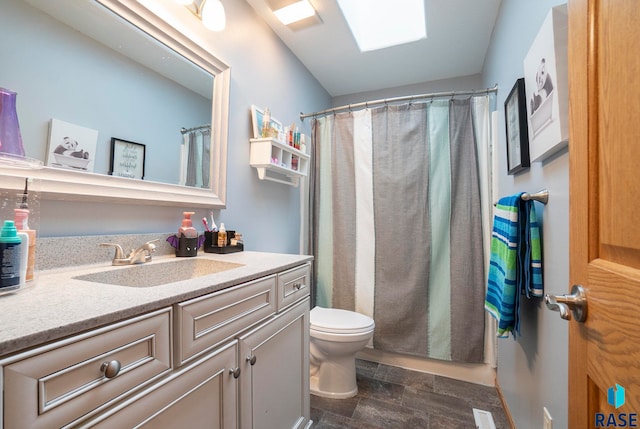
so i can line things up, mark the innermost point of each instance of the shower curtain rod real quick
(409, 98)
(184, 130)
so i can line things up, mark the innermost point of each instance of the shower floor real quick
(395, 398)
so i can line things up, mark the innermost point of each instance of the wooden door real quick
(604, 88)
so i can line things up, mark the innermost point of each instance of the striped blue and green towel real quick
(516, 262)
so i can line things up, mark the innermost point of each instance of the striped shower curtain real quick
(397, 224)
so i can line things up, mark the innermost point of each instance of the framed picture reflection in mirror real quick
(127, 159)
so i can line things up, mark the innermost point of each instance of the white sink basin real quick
(150, 274)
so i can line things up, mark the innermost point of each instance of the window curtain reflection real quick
(196, 158)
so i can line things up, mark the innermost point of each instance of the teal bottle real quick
(10, 253)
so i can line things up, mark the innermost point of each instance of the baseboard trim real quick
(505, 406)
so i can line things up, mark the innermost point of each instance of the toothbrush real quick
(204, 222)
(214, 227)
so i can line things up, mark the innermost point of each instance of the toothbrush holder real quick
(211, 243)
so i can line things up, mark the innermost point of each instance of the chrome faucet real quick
(138, 256)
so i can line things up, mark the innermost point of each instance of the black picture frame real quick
(127, 159)
(515, 115)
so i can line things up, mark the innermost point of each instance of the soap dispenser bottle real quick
(10, 257)
(187, 237)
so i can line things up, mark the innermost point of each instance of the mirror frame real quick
(59, 184)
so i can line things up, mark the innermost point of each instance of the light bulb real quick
(213, 16)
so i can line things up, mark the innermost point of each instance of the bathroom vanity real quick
(225, 349)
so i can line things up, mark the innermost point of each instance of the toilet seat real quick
(337, 321)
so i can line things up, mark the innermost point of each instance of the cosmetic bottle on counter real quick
(222, 236)
(10, 255)
(21, 220)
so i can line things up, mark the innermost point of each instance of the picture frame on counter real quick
(515, 114)
(127, 159)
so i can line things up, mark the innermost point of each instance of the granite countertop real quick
(58, 305)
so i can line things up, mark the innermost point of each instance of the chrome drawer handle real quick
(110, 369)
(297, 286)
(235, 372)
(252, 360)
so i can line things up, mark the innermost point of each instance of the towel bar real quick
(542, 196)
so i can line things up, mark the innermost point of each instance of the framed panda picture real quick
(546, 76)
(71, 146)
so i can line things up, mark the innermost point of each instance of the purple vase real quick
(10, 138)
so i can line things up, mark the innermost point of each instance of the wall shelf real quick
(277, 161)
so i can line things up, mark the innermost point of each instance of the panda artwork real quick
(544, 86)
(69, 147)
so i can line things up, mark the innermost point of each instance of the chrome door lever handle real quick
(574, 303)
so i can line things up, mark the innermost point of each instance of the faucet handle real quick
(150, 246)
(119, 252)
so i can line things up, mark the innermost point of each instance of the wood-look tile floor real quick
(395, 398)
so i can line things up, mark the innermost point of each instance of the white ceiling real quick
(458, 34)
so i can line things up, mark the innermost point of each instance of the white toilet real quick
(335, 338)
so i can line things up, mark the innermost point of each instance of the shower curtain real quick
(195, 163)
(396, 224)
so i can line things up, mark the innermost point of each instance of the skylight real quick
(380, 24)
(295, 12)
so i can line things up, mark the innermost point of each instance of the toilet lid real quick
(336, 321)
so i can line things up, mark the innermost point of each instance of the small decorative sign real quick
(127, 159)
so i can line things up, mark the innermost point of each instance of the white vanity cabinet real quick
(274, 384)
(201, 395)
(203, 323)
(54, 385)
(234, 358)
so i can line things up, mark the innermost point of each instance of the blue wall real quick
(532, 371)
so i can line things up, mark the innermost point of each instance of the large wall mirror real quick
(134, 91)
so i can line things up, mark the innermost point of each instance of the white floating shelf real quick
(278, 162)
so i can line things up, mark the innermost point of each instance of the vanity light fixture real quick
(211, 12)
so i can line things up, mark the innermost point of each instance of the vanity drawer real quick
(205, 322)
(56, 384)
(293, 285)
